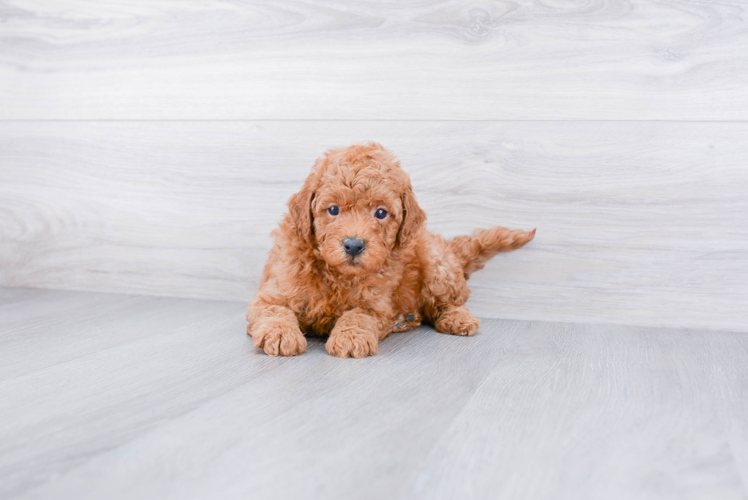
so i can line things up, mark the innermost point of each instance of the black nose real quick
(353, 246)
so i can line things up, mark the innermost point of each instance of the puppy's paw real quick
(457, 321)
(407, 322)
(278, 338)
(351, 343)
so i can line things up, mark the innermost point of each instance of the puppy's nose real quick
(353, 246)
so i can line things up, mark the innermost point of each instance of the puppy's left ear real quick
(300, 207)
(413, 218)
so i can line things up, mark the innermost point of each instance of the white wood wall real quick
(149, 146)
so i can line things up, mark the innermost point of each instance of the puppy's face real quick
(357, 216)
(356, 207)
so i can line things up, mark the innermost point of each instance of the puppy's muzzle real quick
(353, 246)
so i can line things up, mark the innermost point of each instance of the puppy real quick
(353, 260)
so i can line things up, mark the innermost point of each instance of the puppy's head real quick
(356, 206)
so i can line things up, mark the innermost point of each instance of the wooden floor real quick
(116, 396)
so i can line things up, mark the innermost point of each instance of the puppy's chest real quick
(335, 300)
(323, 304)
(322, 311)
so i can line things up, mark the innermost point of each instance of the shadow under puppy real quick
(353, 260)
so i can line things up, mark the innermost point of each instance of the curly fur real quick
(404, 276)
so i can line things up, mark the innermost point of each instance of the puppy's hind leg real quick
(456, 320)
(445, 291)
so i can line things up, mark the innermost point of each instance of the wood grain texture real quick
(133, 397)
(342, 59)
(638, 223)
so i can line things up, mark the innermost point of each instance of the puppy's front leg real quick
(356, 334)
(275, 330)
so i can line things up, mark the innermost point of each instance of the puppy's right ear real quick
(300, 207)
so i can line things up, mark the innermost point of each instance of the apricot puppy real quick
(353, 260)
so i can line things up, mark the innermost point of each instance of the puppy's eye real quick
(333, 210)
(381, 213)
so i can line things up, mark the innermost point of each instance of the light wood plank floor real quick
(116, 396)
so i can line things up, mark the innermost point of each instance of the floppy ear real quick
(413, 218)
(300, 208)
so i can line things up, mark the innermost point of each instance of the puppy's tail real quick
(473, 251)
